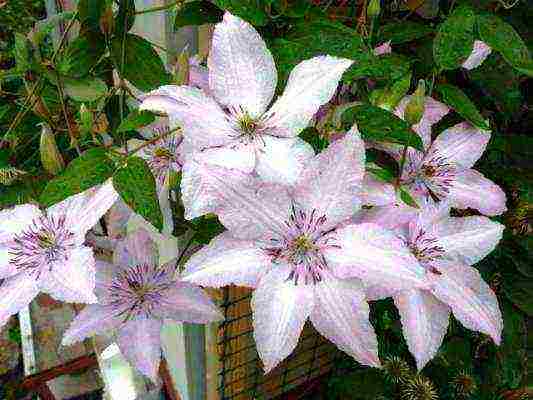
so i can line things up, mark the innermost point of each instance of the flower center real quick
(45, 242)
(161, 152)
(247, 125)
(426, 249)
(161, 156)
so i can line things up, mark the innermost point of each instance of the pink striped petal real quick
(14, 220)
(16, 293)
(94, 319)
(7, 269)
(376, 192)
(138, 248)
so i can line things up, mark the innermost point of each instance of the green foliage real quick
(197, 13)
(403, 32)
(136, 185)
(456, 99)
(135, 120)
(253, 11)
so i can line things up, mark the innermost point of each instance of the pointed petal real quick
(376, 192)
(471, 189)
(203, 121)
(462, 144)
(384, 48)
(311, 83)
(83, 210)
(374, 292)
(280, 310)
(187, 303)
(374, 255)
(94, 319)
(104, 273)
(140, 343)
(331, 182)
(14, 220)
(472, 301)
(227, 260)
(16, 292)
(341, 315)
(468, 239)
(241, 68)
(434, 111)
(137, 248)
(7, 269)
(281, 160)
(479, 53)
(234, 155)
(424, 323)
(74, 280)
(392, 216)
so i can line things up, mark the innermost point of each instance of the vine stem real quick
(153, 140)
(159, 8)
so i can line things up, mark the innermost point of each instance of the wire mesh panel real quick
(241, 375)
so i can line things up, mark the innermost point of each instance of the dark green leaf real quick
(512, 349)
(380, 125)
(90, 12)
(142, 65)
(519, 290)
(84, 89)
(525, 67)
(292, 8)
(456, 353)
(136, 185)
(456, 99)
(368, 384)
(503, 38)
(455, 39)
(312, 136)
(382, 174)
(83, 55)
(135, 120)
(253, 11)
(207, 227)
(22, 52)
(388, 67)
(125, 17)
(90, 169)
(198, 13)
(407, 198)
(403, 32)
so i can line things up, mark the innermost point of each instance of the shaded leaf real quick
(136, 120)
(407, 198)
(125, 16)
(90, 12)
(456, 99)
(207, 227)
(253, 11)
(84, 89)
(402, 32)
(83, 55)
(519, 289)
(197, 13)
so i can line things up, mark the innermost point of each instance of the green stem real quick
(158, 8)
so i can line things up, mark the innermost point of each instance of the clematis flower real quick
(44, 251)
(446, 247)
(232, 127)
(304, 261)
(135, 296)
(479, 54)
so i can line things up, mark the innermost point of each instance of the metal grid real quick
(241, 375)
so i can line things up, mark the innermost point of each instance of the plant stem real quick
(158, 8)
(153, 140)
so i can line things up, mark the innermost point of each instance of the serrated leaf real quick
(136, 120)
(403, 32)
(456, 99)
(136, 185)
(253, 11)
(455, 39)
(197, 13)
(503, 38)
(90, 169)
(380, 125)
(84, 89)
(146, 74)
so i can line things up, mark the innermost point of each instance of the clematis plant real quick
(446, 247)
(135, 296)
(232, 126)
(294, 246)
(44, 251)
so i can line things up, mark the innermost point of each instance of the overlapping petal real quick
(14, 220)
(16, 292)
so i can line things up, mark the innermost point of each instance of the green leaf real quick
(206, 229)
(44, 27)
(519, 290)
(367, 384)
(22, 52)
(90, 12)
(253, 11)
(512, 352)
(312, 136)
(136, 185)
(455, 39)
(380, 125)
(197, 13)
(84, 89)
(83, 55)
(526, 67)
(142, 65)
(125, 17)
(456, 99)
(403, 32)
(135, 120)
(292, 8)
(407, 198)
(504, 39)
(90, 169)
(380, 173)
(388, 67)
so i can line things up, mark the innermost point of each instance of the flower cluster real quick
(296, 229)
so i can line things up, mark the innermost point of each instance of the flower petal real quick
(341, 315)
(479, 53)
(392, 216)
(83, 210)
(280, 310)
(375, 255)
(234, 155)
(203, 121)
(7, 269)
(331, 182)
(241, 68)
(468, 239)
(461, 144)
(16, 292)
(281, 160)
(384, 48)
(424, 322)
(94, 319)
(471, 189)
(137, 248)
(140, 343)
(14, 220)
(187, 303)
(227, 260)
(74, 280)
(311, 83)
(472, 301)
(376, 192)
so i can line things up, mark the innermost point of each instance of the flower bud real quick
(373, 9)
(51, 158)
(415, 108)
(181, 74)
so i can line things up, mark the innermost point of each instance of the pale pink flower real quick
(384, 48)
(294, 247)
(135, 296)
(479, 54)
(45, 252)
(446, 247)
(233, 127)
